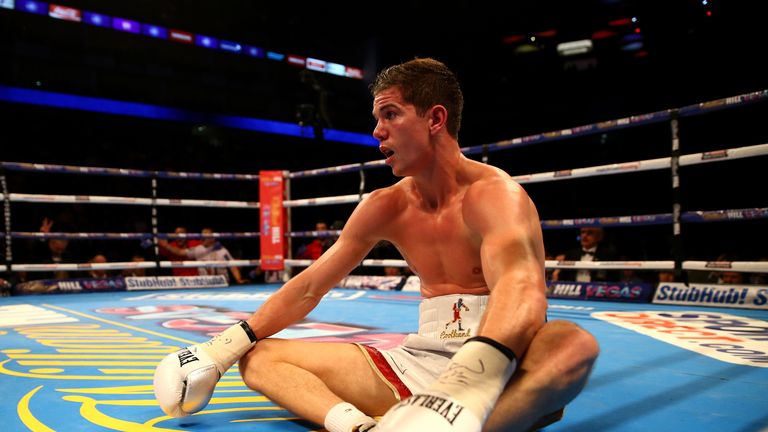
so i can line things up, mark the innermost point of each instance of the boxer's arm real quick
(303, 292)
(512, 254)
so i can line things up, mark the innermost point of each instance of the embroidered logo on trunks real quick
(460, 332)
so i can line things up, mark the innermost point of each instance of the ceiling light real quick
(574, 47)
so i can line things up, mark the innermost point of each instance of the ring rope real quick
(617, 168)
(84, 266)
(142, 236)
(80, 236)
(659, 219)
(341, 199)
(700, 216)
(645, 165)
(379, 163)
(122, 172)
(600, 127)
(736, 266)
(120, 265)
(98, 199)
(327, 233)
(632, 121)
(210, 264)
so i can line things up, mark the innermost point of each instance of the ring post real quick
(677, 240)
(7, 220)
(153, 210)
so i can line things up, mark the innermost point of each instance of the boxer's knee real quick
(572, 353)
(582, 347)
(256, 362)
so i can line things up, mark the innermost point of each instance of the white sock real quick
(344, 417)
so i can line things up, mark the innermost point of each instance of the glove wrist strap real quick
(228, 346)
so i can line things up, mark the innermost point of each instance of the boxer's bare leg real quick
(553, 371)
(309, 378)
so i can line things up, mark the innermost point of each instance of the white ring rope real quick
(380, 163)
(94, 199)
(617, 168)
(83, 266)
(210, 264)
(81, 236)
(721, 266)
(737, 266)
(646, 165)
(122, 172)
(365, 262)
(327, 233)
(653, 219)
(133, 265)
(611, 265)
(341, 199)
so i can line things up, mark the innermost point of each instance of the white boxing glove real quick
(184, 380)
(463, 395)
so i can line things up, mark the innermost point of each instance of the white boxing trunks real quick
(445, 322)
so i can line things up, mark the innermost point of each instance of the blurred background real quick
(178, 85)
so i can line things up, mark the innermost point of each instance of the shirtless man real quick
(467, 230)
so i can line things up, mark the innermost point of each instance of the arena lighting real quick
(206, 41)
(295, 60)
(154, 31)
(620, 22)
(126, 25)
(63, 12)
(547, 33)
(526, 48)
(32, 6)
(159, 112)
(230, 46)
(634, 46)
(316, 64)
(632, 37)
(254, 51)
(574, 47)
(512, 39)
(335, 69)
(603, 34)
(97, 19)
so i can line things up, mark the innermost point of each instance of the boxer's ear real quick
(437, 118)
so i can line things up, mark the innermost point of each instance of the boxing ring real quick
(85, 362)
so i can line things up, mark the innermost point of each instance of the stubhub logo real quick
(728, 338)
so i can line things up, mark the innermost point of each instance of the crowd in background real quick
(591, 244)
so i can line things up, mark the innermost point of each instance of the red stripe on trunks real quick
(387, 372)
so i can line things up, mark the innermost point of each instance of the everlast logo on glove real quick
(450, 412)
(186, 356)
